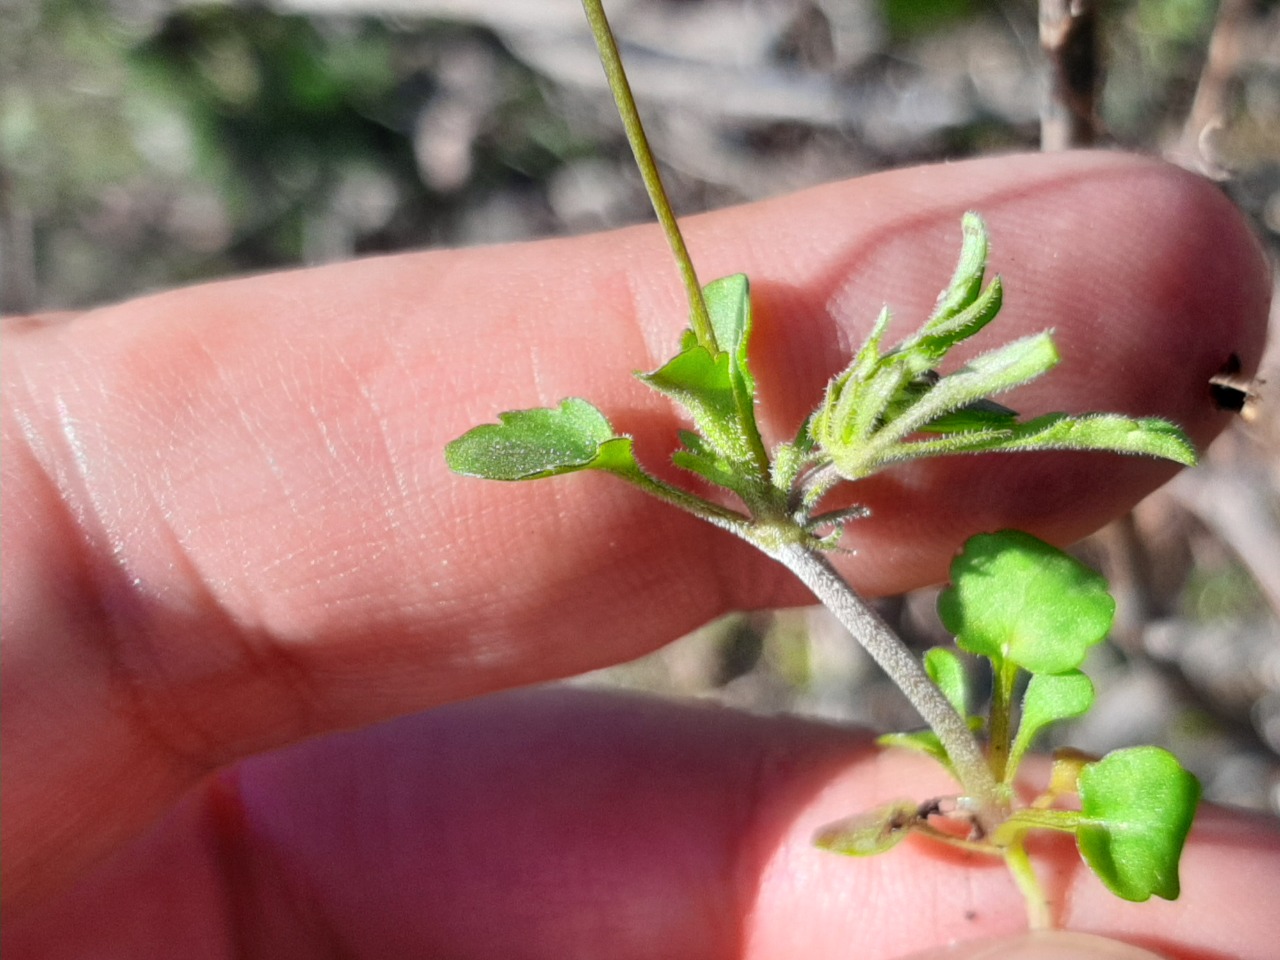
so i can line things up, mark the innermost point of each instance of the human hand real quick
(228, 527)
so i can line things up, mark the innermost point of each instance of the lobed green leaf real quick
(543, 442)
(1138, 805)
(1016, 598)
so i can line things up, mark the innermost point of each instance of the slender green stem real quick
(1038, 915)
(699, 319)
(1000, 729)
(713, 513)
(967, 758)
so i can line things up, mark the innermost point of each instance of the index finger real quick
(234, 526)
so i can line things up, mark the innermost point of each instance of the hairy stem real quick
(699, 320)
(967, 758)
(715, 514)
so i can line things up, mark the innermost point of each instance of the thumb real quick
(1046, 945)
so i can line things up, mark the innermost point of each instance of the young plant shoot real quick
(1026, 608)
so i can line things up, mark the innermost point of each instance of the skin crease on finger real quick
(257, 539)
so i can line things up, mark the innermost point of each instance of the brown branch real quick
(1209, 109)
(1069, 38)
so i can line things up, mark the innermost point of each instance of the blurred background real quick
(145, 144)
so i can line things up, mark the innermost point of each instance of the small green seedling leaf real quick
(869, 833)
(926, 742)
(702, 384)
(1049, 697)
(1016, 598)
(728, 303)
(948, 672)
(718, 391)
(1137, 806)
(917, 741)
(543, 442)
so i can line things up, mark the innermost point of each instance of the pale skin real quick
(230, 545)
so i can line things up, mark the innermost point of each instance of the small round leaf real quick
(1015, 598)
(1138, 805)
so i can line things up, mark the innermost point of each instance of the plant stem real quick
(715, 514)
(999, 728)
(699, 319)
(1019, 864)
(892, 655)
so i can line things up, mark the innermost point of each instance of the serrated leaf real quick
(1049, 697)
(1138, 806)
(542, 442)
(869, 833)
(948, 672)
(1103, 431)
(1016, 598)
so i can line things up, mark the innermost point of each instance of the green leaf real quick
(869, 833)
(944, 332)
(1138, 806)
(925, 741)
(948, 672)
(1049, 697)
(917, 741)
(718, 390)
(543, 442)
(966, 282)
(702, 385)
(697, 456)
(728, 303)
(1002, 369)
(1103, 431)
(1015, 598)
